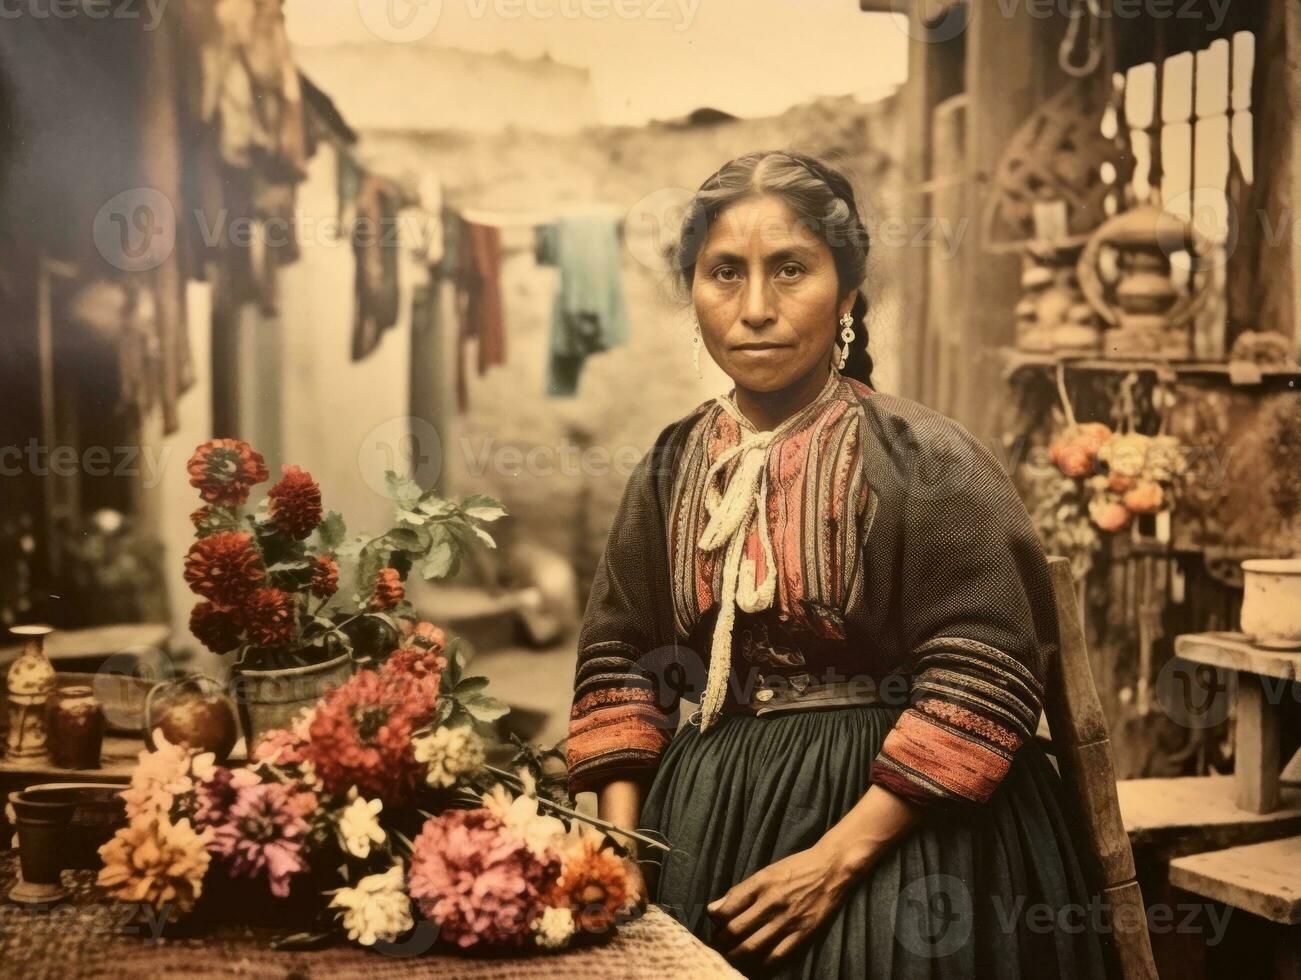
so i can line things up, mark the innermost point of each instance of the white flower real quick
(376, 909)
(542, 835)
(359, 826)
(308, 768)
(449, 754)
(554, 928)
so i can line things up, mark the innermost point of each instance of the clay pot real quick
(1271, 602)
(61, 826)
(193, 711)
(74, 722)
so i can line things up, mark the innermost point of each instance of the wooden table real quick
(88, 937)
(1261, 690)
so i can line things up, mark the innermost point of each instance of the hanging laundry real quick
(374, 244)
(478, 298)
(589, 314)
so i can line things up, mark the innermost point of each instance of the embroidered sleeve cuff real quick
(942, 752)
(613, 733)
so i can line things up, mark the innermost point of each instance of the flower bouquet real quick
(374, 813)
(289, 594)
(377, 814)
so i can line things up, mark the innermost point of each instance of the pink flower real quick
(280, 747)
(214, 797)
(477, 881)
(263, 835)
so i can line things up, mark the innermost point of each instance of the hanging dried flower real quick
(217, 628)
(224, 567)
(325, 577)
(223, 471)
(269, 614)
(296, 503)
(388, 589)
(1145, 497)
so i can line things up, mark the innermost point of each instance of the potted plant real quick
(294, 599)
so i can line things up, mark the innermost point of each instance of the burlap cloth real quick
(83, 937)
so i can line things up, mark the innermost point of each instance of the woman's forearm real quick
(619, 801)
(863, 834)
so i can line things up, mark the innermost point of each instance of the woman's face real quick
(766, 295)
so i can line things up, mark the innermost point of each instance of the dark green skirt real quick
(988, 891)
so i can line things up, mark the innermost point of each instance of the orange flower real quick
(155, 861)
(592, 882)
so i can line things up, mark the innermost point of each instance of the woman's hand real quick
(638, 893)
(778, 907)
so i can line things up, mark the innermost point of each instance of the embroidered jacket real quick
(891, 542)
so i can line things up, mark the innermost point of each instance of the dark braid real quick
(821, 195)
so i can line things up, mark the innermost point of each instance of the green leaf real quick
(484, 708)
(435, 506)
(331, 532)
(470, 685)
(404, 490)
(440, 561)
(483, 536)
(481, 507)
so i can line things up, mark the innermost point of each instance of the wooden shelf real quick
(1237, 373)
(1263, 879)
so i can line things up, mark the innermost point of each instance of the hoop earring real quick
(695, 349)
(847, 337)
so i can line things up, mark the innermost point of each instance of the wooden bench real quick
(1263, 879)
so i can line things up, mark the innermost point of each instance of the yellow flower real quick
(157, 862)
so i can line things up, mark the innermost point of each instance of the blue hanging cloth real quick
(589, 314)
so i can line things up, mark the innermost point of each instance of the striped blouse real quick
(871, 538)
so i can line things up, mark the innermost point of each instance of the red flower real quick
(361, 736)
(296, 503)
(325, 577)
(216, 628)
(420, 670)
(388, 589)
(270, 617)
(224, 567)
(425, 635)
(223, 470)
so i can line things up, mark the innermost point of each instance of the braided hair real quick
(819, 195)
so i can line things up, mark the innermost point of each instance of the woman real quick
(849, 585)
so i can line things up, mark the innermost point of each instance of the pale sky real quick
(648, 58)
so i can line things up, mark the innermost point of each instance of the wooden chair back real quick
(1083, 751)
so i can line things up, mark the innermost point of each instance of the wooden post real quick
(1256, 746)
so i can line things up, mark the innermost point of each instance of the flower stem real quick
(594, 821)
